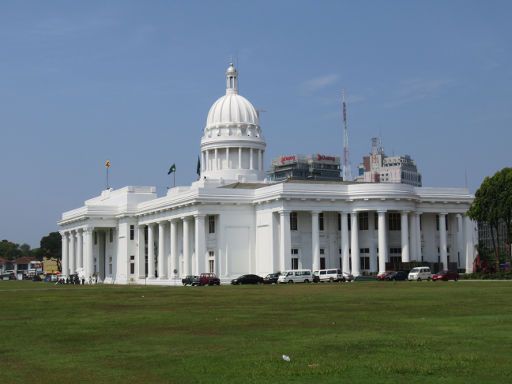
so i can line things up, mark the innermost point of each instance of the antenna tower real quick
(346, 172)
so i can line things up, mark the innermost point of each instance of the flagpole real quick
(174, 178)
(107, 177)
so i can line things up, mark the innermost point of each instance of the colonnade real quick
(77, 251)
(231, 155)
(165, 263)
(410, 228)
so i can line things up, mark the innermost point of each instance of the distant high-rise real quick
(379, 168)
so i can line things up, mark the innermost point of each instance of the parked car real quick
(208, 279)
(271, 278)
(247, 279)
(445, 276)
(190, 280)
(8, 276)
(420, 273)
(397, 275)
(330, 275)
(347, 276)
(383, 276)
(296, 276)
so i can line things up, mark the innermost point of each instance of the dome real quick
(232, 109)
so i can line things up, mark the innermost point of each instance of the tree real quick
(9, 250)
(51, 245)
(493, 205)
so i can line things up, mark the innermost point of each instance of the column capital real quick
(64, 233)
(200, 215)
(282, 212)
(405, 212)
(316, 212)
(382, 211)
(442, 213)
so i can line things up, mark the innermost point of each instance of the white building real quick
(233, 222)
(379, 168)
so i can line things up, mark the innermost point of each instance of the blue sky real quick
(132, 82)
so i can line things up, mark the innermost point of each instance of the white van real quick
(328, 275)
(296, 276)
(420, 273)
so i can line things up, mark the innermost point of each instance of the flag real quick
(172, 169)
(107, 164)
(198, 169)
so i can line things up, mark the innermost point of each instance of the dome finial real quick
(231, 79)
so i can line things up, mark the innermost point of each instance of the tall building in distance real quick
(379, 168)
(305, 167)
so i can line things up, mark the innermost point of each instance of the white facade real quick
(232, 222)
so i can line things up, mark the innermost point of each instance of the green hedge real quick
(488, 276)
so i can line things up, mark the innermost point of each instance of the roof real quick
(245, 186)
(24, 260)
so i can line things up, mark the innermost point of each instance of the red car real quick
(445, 276)
(208, 279)
(384, 275)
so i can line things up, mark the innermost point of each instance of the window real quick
(395, 250)
(132, 265)
(295, 263)
(322, 263)
(132, 232)
(322, 251)
(376, 220)
(363, 221)
(293, 221)
(394, 222)
(211, 266)
(349, 219)
(365, 262)
(364, 250)
(110, 265)
(111, 234)
(295, 251)
(341, 264)
(211, 224)
(321, 221)
(95, 237)
(339, 221)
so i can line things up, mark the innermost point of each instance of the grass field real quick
(334, 333)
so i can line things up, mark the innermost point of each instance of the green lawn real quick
(360, 332)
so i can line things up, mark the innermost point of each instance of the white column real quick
(240, 158)
(89, 253)
(151, 252)
(417, 218)
(284, 239)
(412, 237)
(162, 262)
(470, 247)
(251, 165)
(373, 245)
(460, 240)
(207, 160)
(173, 249)
(227, 158)
(200, 244)
(345, 243)
(383, 243)
(404, 229)
(65, 247)
(141, 257)
(443, 252)
(260, 160)
(80, 249)
(354, 244)
(315, 240)
(72, 254)
(186, 247)
(216, 159)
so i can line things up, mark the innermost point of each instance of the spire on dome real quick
(231, 80)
